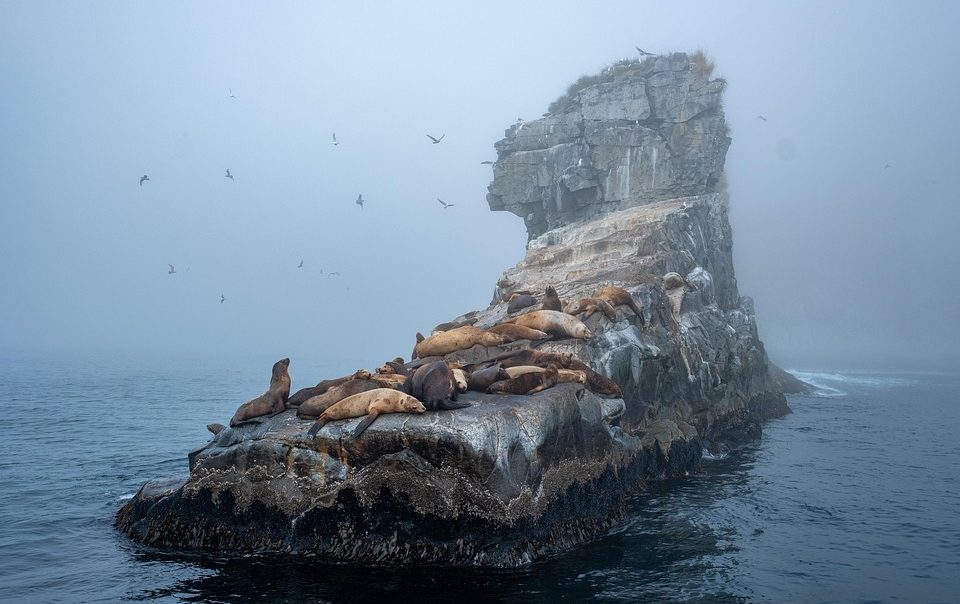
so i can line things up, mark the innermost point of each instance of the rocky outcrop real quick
(512, 478)
(649, 130)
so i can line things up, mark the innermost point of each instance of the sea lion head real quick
(581, 331)
(361, 374)
(673, 281)
(280, 367)
(408, 404)
(460, 376)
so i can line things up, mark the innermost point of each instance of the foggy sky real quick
(850, 263)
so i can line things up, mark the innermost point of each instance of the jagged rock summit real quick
(620, 185)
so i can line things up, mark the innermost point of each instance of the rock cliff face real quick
(515, 477)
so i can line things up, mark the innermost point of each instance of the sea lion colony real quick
(433, 383)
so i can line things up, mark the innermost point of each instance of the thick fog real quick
(842, 201)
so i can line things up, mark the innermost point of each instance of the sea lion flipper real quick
(365, 423)
(449, 405)
(312, 433)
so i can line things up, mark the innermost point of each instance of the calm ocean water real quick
(852, 498)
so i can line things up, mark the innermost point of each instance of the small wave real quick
(817, 381)
(822, 380)
(709, 456)
(126, 497)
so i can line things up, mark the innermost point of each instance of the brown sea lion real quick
(618, 296)
(551, 301)
(454, 324)
(512, 332)
(553, 322)
(371, 404)
(481, 379)
(517, 302)
(216, 428)
(460, 338)
(586, 307)
(394, 366)
(315, 405)
(389, 380)
(596, 382)
(528, 383)
(272, 401)
(673, 281)
(435, 385)
(461, 378)
(305, 393)
(563, 375)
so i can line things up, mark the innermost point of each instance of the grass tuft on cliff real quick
(620, 70)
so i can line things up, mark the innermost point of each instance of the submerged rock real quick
(513, 478)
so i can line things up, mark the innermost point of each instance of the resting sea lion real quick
(618, 296)
(551, 301)
(216, 428)
(673, 281)
(305, 393)
(389, 380)
(460, 338)
(588, 306)
(272, 401)
(554, 322)
(394, 366)
(461, 378)
(528, 383)
(453, 325)
(315, 405)
(517, 302)
(596, 382)
(512, 333)
(481, 379)
(371, 403)
(435, 385)
(563, 375)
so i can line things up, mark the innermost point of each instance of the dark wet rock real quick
(513, 478)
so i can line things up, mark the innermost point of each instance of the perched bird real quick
(760, 117)
(301, 264)
(228, 175)
(230, 93)
(143, 178)
(332, 273)
(436, 140)
(488, 163)
(222, 298)
(644, 53)
(445, 204)
(172, 270)
(335, 143)
(360, 201)
(321, 271)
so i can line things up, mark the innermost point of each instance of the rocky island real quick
(619, 184)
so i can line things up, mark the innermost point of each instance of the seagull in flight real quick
(335, 143)
(360, 200)
(445, 204)
(644, 53)
(172, 270)
(222, 299)
(230, 93)
(437, 140)
(301, 263)
(332, 273)
(760, 117)
(885, 166)
(143, 178)
(228, 175)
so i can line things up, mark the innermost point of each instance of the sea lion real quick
(394, 366)
(517, 302)
(596, 382)
(512, 333)
(554, 322)
(435, 385)
(673, 281)
(528, 383)
(456, 339)
(588, 306)
(305, 393)
(563, 375)
(481, 379)
(618, 296)
(371, 404)
(453, 325)
(315, 405)
(272, 401)
(389, 380)
(461, 378)
(216, 428)
(551, 301)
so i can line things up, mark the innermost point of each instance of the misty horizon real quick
(840, 206)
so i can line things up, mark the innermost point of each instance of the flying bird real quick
(445, 204)
(230, 93)
(644, 53)
(360, 200)
(143, 178)
(332, 273)
(436, 140)
(335, 143)
(486, 163)
(885, 166)
(301, 264)
(228, 175)
(172, 270)
(222, 298)
(760, 117)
